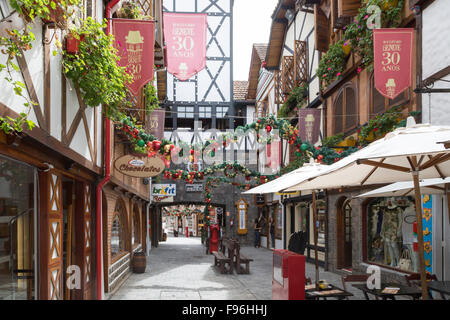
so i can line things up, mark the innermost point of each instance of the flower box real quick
(73, 43)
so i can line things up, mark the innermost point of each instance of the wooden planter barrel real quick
(139, 262)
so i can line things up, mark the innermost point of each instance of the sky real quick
(251, 24)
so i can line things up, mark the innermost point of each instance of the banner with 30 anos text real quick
(135, 41)
(185, 36)
(393, 60)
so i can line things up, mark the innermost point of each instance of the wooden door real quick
(51, 220)
(85, 237)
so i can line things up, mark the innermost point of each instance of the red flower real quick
(376, 129)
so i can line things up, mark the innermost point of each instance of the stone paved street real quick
(180, 269)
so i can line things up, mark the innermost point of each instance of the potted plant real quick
(73, 42)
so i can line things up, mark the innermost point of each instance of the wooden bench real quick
(240, 260)
(221, 260)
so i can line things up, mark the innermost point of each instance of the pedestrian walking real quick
(257, 228)
(272, 231)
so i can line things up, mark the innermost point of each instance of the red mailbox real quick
(214, 238)
(288, 275)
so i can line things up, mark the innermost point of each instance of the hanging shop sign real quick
(195, 187)
(135, 41)
(157, 122)
(393, 60)
(162, 190)
(242, 216)
(309, 124)
(140, 167)
(185, 35)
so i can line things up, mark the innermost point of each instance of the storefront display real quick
(390, 235)
(17, 230)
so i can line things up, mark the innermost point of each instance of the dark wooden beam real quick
(383, 165)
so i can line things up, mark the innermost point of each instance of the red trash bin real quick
(288, 275)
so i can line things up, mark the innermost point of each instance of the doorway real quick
(344, 234)
(17, 230)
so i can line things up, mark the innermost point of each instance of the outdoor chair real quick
(354, 278)
(414, 280)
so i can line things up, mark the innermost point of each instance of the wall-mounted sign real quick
(162, 199)
(393, 58)
(309, 124)
(157, 122)
(242, 216)
(164, 190)
(195, 187)
(141, 167)
(135, 41)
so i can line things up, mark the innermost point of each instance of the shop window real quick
(379, 104)
(89, 7)
(390, 233)
(345, 110)
(136, 238)
(17, 225)
(118, 230)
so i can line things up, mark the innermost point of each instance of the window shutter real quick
(336, 21)
(348, 8)
(322, 34)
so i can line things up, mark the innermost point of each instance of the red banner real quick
(393, 60)
(135, 40)
(157, 122)
(185, 36)
(309, 124)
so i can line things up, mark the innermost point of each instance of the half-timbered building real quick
(349, 103)
(288, 61)
(47, 216)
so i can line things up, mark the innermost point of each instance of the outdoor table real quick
(310, 294)
(443, 287)
(405, 290)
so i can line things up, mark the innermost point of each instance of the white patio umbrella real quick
(403, 153)
(406, 188)
(294, 177)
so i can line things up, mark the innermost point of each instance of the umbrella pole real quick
(447, 191)
(423, 276)
(316, 258)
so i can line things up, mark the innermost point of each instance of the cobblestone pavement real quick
(180, 269)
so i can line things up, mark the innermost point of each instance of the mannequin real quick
(391, 231)
(409, 217)
(373, 231)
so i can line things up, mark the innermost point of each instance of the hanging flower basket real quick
(73, 43)
(347, 48)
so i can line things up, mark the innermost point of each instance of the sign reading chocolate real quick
(135, 41)
(139, 167)
(393, 60)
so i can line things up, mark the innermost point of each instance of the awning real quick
(406, 188)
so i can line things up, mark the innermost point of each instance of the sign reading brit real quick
(135, 41)
(185, 35)
(393, 60)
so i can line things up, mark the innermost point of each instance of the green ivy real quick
(294, 101)
(361, 37)
(151, 97)
(95, 69)
(332, 64)
(333, 141)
